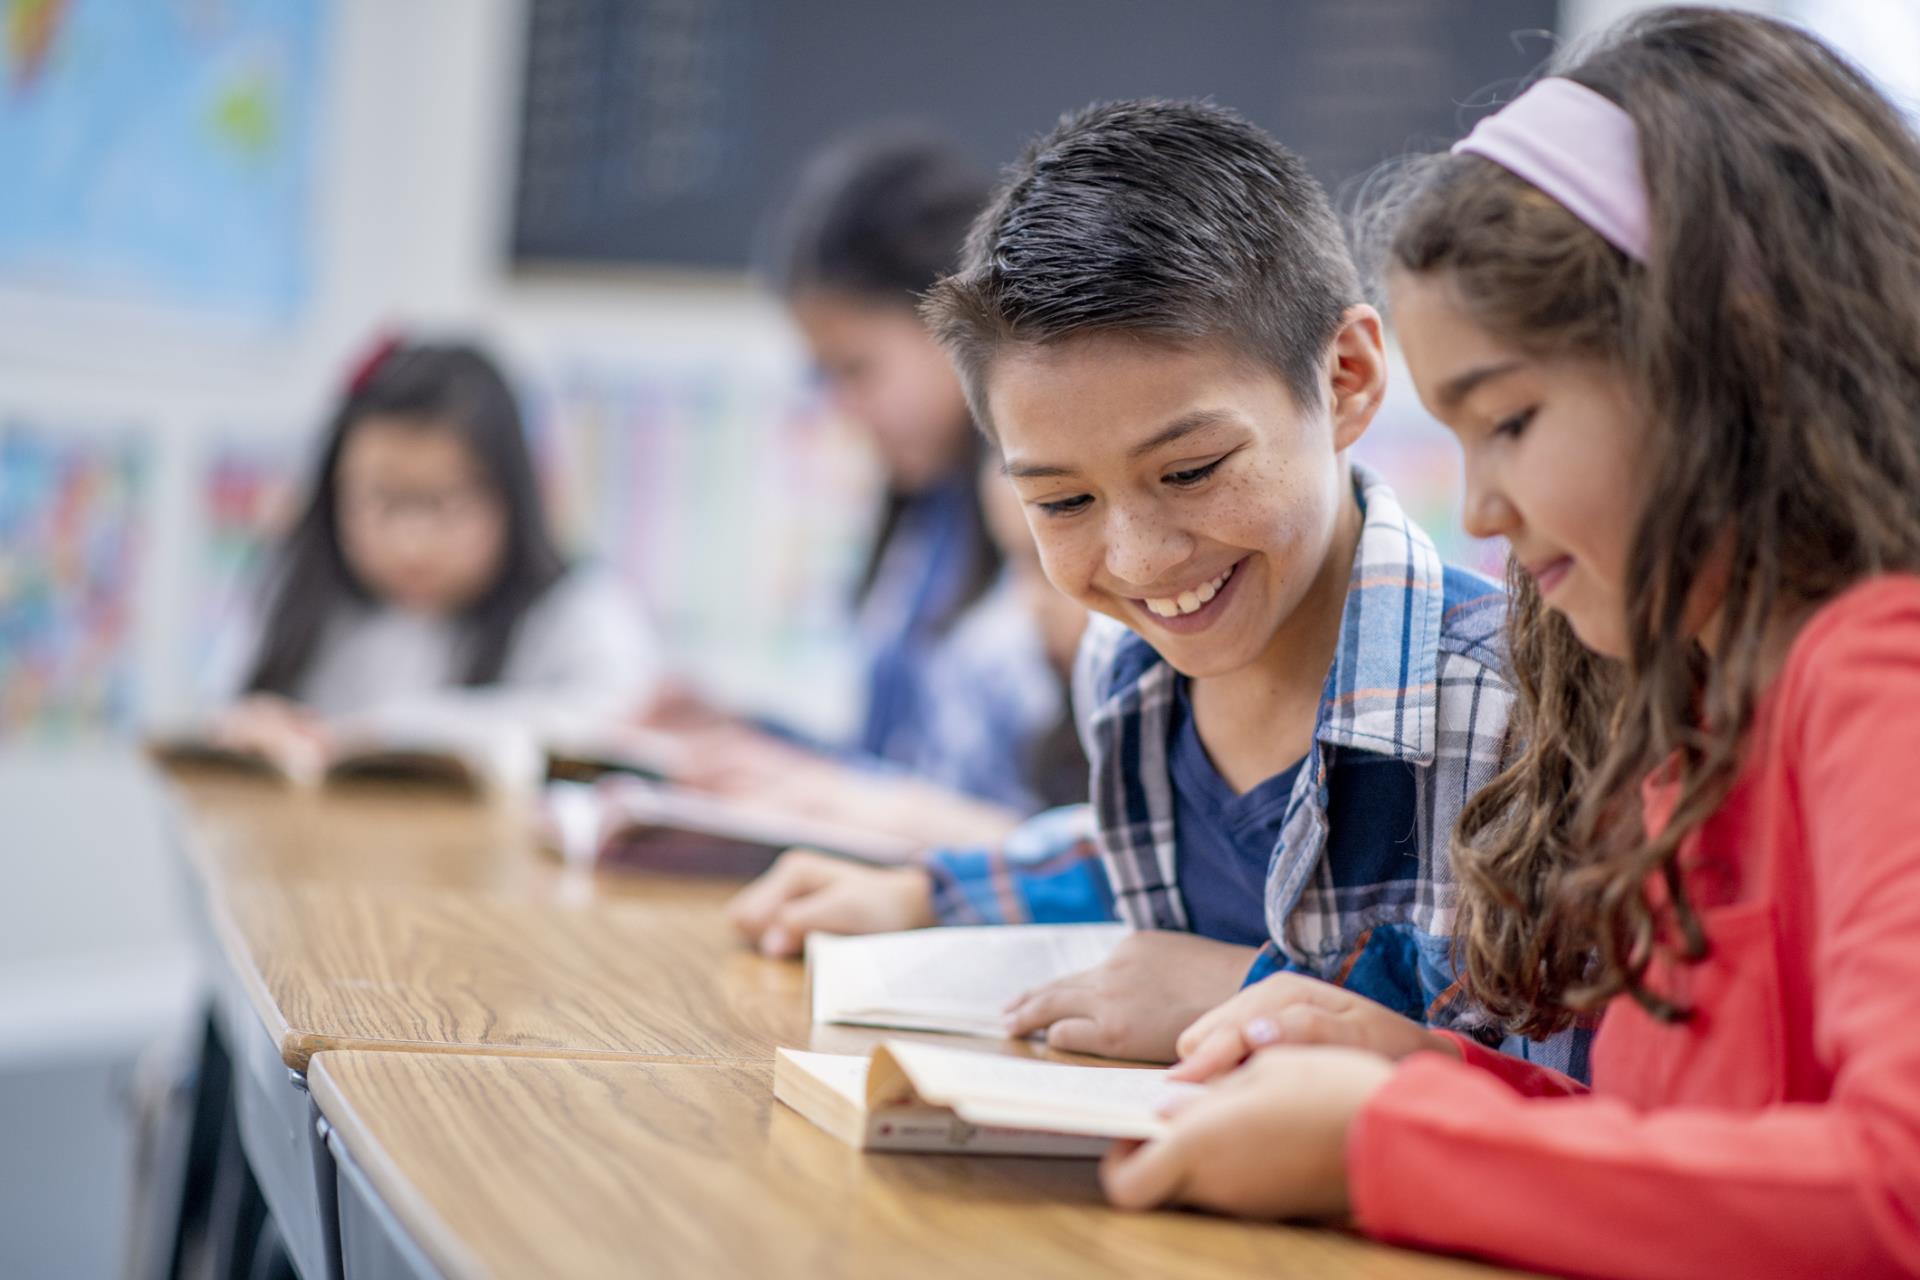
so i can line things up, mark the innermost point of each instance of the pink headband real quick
(1578, 147)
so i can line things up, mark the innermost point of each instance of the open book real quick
(957, 979)
(587, 755)
(632, 821)
(922, 1097)
(468, 757)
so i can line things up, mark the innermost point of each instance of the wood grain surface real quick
(234, 829)
(546, 1071)
(329, 966)
(514, 1166)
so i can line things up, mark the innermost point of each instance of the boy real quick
(1160, 329)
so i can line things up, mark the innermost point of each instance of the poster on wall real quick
(72, 504)
(160, 152)
(247, 494)
(733, 501)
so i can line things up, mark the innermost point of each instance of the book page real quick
(994, 1089)
(637, 802)
(867, 1102)
(199, 750)
(953, 979)
(408, 737)
(844, 1073)
(586, 754)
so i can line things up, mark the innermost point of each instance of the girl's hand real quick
(745, 763)
(1134, 1005)
(1292, 1009)
(776, 775)
(282, 730)
(807, 892)
(677, 707)
(1269, 1141)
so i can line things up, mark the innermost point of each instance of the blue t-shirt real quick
(1226, 840)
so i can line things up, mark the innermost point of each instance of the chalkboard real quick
(667, 131)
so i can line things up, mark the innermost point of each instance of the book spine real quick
(951, 1135)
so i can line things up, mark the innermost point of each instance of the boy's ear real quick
(1356, 373)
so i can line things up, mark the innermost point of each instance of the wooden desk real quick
(343, 967)
(513, 1166)
(392, 967)
(243, 829)
(430, 925)
(586, 1086)
(414, 921)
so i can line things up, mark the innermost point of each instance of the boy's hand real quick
(1292, 1009)
(1135, 1004)
(1269, 1141)
(807, 892)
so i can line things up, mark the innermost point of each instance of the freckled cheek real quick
(1068, 562)
(1270, 517)
(1228, 513)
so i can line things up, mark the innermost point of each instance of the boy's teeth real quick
(1188, 601)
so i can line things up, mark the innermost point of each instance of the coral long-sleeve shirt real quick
(1777, 1131)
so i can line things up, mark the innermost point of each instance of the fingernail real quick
(1262, 1031)
(775, 942)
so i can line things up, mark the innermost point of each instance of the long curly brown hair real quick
(1772, 339)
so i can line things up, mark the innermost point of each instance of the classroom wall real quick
(416, 101)
(415, 109)
(416, 106)
(411, 139)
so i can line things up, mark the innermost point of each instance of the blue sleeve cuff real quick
(1048, 871)
(1265, 965)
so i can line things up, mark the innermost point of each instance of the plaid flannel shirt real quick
(991, 696)
(1417, 677)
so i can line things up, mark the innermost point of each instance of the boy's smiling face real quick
(1182, 489)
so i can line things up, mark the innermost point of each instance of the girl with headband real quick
(1669, 302)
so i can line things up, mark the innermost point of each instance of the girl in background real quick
(421, 572)
(960, 692)
(998, 720)
(1000, 723)
(1668, 300)
(875, 222)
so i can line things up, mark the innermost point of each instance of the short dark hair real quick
(880, 214)
(1177, 220)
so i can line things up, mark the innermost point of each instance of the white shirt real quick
(581, 655)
